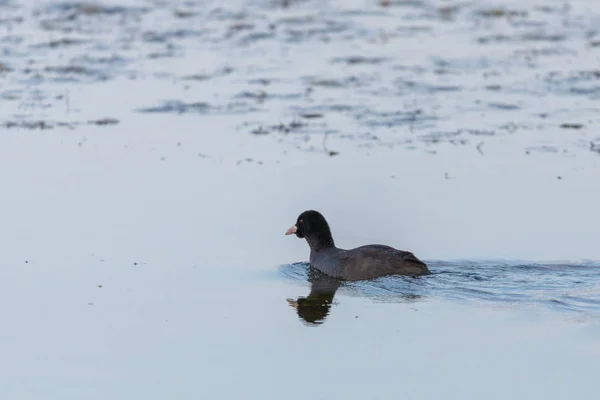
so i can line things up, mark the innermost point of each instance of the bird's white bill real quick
(292, 303)
(293, 229)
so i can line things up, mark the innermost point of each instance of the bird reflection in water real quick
(315, 308)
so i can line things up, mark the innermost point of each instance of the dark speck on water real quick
(502, 106)
(571, 126)
(177, 107)
(104, 121)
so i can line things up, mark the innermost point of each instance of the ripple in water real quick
(568, 288)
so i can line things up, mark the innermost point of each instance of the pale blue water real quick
(573, 289)
(153, 153)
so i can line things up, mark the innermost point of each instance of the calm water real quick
(152, 154)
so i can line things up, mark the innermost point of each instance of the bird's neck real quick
(320, 241)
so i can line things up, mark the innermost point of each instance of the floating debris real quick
(480, 147)
(184, 13)
(60, 43)
(197, 77)
(280, 128)
(28, 125)
(477, 132)
(504, 106)
(501, 13)
(400, 101)
(571, 126)
(178, 107)
(311, 115)
(104, 121)
(541, 149)
(353, 60)
(167, 36)
(261, 130)
(249, 160)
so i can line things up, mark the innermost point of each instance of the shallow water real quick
(418, 75)
(152, 154)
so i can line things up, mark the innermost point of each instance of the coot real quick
(365, 262)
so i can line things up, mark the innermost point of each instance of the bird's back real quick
(368, 262)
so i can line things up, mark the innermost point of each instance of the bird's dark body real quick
(367, 262)
(361, 263)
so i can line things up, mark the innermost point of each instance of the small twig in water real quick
(330, 153)
(413, 120)
(479, 146)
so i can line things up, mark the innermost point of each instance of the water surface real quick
(572, 291)
(153, 153)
